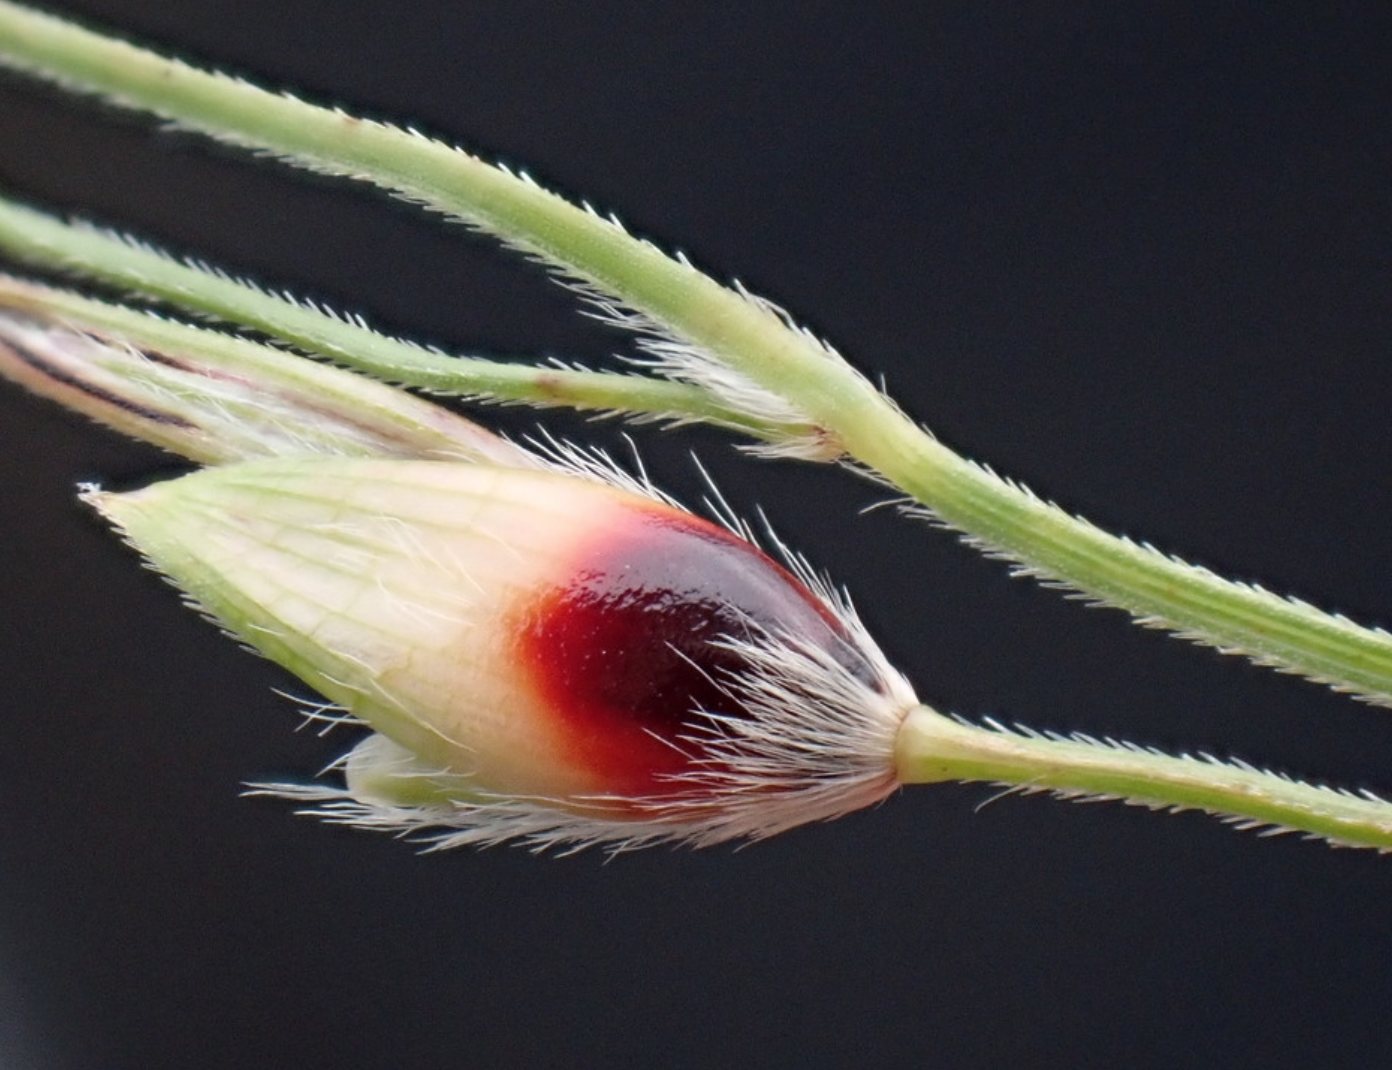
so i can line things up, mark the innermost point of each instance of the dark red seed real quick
(623, 653)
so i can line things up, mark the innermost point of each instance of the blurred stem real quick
(933, 748)
(744, 335)
(210, 397)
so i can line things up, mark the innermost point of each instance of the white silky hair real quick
(816, 742)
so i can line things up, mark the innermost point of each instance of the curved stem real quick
(43, 241)
(745, 335)
(933, 748)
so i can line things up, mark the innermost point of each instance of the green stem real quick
(933, 748)
(742, 334)
(43, 241)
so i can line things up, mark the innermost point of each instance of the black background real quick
(1137, 256)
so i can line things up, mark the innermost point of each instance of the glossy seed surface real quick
(625, 653)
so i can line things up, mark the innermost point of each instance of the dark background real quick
(1136, 255)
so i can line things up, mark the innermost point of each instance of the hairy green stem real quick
(43, 241)
(744, 335)
(933, 748)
